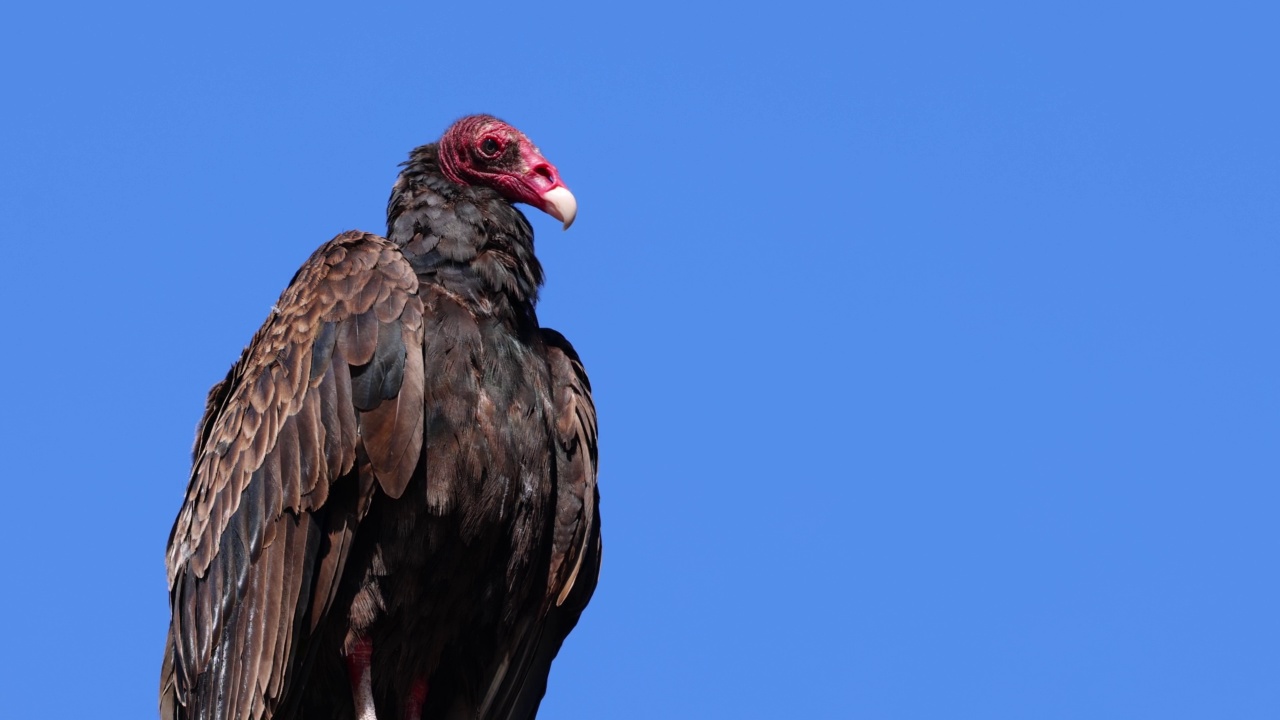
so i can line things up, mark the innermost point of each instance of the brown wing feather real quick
(336, 373)
(577, 457)
(520, 677)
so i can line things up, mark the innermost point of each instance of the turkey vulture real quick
(392, 509)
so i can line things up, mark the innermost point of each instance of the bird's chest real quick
(471, 534)
(469, 545)
(487, 435)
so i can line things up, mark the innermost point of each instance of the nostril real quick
(546, 172)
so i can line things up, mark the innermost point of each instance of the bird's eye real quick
(490, 147)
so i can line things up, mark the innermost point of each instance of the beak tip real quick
(560, 204)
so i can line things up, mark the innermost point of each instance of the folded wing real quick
(325, 404)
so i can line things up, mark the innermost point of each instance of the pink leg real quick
(417, 696)
(360, 670)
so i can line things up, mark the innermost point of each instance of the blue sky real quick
(934, 344)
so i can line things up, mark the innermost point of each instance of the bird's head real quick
(483, 150)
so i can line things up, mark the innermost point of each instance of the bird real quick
(392, 511)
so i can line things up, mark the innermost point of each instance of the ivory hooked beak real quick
(560, 204)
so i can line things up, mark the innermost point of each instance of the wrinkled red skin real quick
(516, 170)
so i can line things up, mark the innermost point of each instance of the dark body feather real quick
(402, 456)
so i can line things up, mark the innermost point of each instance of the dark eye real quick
(490, 147)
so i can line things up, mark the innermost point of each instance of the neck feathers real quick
(468, 238)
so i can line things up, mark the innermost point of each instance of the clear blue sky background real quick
(935, 345)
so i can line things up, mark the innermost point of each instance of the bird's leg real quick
(417, 696)
(360, 670)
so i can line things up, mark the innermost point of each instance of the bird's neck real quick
(468, 239)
